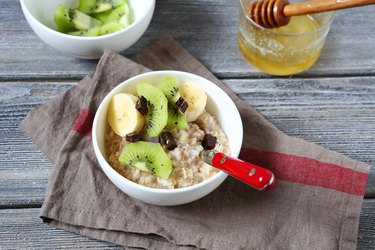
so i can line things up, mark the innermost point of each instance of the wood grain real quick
(337, 113)
(207, 29)
(22, 228)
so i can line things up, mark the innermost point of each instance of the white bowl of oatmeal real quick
(190, 178)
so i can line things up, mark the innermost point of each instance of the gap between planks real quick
(229, 76)
(20, 206)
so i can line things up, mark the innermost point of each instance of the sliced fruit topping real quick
(70, 19)
(157, 105)
(169, 86)
(168, 140)
(175, 118)
(133, 137)
(208, 142)
(196, 98)
(147, 156)
(122, 115)
(141, 105)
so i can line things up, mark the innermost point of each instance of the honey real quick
(285, 50)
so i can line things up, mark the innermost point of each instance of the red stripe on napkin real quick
(308, 171)
(83, 123)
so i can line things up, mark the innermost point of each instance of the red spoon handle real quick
(253, 175)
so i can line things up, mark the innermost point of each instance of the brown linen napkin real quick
(315, 205)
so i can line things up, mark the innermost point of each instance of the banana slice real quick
(196, 98)
(122, 115)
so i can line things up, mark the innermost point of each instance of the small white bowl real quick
(218, 104)
(40, 15)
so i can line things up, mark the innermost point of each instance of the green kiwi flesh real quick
(91, 32)
(109, 28)
(111, 15)
(67, 19)
(62, 20)
(147, 156)
(169, 86)
(102, 16)
(175, 118)
(97, 6)
(157, 104)
(120, 14)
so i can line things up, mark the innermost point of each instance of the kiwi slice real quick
(147, 156)
(109, 28)
(98, 31)
(97, 6)
(157, 104)
(175, 118)
(169, 86)
(120, 14)
(102, 16)
(91, 32)
(70, 19)
(62, 20)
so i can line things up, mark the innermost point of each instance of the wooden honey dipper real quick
(277, 13)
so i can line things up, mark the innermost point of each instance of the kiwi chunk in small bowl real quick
(218, 104)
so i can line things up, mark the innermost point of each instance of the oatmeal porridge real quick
(188, 168)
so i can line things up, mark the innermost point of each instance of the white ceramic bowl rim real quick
(139, 186)
(45, 27)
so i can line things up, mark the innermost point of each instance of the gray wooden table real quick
(332, 104)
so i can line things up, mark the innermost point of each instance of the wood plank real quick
(24, 170)
(206, 28)
(22, 228)
(337, 113)
(366, 230)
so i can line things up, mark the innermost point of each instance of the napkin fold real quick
(315, 205)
